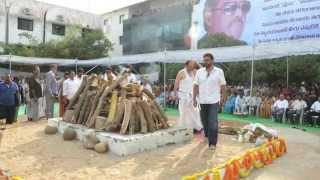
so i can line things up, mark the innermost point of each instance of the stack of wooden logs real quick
(115, 107)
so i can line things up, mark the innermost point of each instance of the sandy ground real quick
(29, 153)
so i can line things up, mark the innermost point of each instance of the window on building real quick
(121, 18)
(106, 22)
(120, 40)
(58, 29)
(25, 24)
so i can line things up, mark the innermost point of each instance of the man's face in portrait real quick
(226, 16)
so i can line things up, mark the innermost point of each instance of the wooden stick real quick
(95, 102)
(74, 99)
(132, 122)
(143, 121)
(102, 99)
(158, 113)
(81, 100)
(127, 115)
(147, 113)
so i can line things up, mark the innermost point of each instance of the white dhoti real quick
(189, 116)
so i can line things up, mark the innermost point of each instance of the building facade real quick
(149, 26)
(22, 20)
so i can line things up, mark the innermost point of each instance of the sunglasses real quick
(230, 8)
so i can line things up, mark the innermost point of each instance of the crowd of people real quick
(40, 94)
(198, 92)
(293, 104)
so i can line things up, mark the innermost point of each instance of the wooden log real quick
(68, 115)
(85, 107)
(111, 127)
(127, 115)
(90, 106)
(152, 97)
(156, 120)
(113, 106)
(96, 100)
(102, 99)
(147, 113)
(158, 113)
(81, 100)
(120, 112)
(143, 121)
(74, 99)
(157, 106)
(132, 122)
(148, 93)
(100, 122)
(137, 122)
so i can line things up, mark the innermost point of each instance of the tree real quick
(88, 44)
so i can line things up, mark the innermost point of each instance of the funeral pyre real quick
(115, 106)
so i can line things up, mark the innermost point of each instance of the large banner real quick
(220, 23)
(258, 21)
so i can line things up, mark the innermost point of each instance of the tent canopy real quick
(223, 54)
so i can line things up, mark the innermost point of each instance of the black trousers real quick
(8, 112)
(209, 119)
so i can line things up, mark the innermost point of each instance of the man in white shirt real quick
(209, 86)
(109, 75)
(241, 105)
(314, 111)
(297, 108)
(279, 108)
(70, 87)
(131, 77)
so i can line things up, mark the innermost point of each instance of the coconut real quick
(101, 147)
(69, 134)
(50, 130)
(90, 141)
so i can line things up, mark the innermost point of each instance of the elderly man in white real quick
(279, 108)
(70, 87)
(314, 111)
(297, 108)
(183, 87)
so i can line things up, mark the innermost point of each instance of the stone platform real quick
(124, 145)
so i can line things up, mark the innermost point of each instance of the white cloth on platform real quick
(189, 116)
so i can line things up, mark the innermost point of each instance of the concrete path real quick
(302, 162)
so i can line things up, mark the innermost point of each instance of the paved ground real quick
(302, 162)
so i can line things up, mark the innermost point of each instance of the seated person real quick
(240, 105)
(159, 96)
(265, 107)
(230, 104)
(296, 107)
(279, 108)
(314, 110)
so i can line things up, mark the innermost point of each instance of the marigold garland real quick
(241, 166)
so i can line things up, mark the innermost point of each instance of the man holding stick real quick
(209, 86)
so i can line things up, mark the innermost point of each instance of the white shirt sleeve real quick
(64, 88)
(286, 104)
(313, 107)
(222, 78)
(304, 104)
(196, 79)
